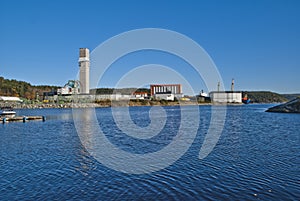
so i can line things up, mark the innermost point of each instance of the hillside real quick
(22, 89)
(291, 96)
(126, 91)
(265, 97)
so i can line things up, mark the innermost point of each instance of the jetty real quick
(22, 119)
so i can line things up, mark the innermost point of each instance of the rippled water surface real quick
(256, 158)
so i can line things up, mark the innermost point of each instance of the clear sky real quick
(256, 42)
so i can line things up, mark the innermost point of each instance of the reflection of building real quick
(84, 66)
(166, 91)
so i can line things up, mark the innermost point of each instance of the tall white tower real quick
(84, 66)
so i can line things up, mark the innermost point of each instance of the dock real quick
(22, 119)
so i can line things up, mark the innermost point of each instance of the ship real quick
(246, 100)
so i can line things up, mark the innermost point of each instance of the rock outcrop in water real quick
(289, 107)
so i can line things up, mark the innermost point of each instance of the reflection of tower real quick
(84, 66)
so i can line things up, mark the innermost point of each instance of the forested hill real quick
(265, 97)
(22, 89)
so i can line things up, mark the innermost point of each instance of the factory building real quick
(226, 96)
(84, 68)
(165, 88)
(141, 95)
(69, 89)
(166, 91)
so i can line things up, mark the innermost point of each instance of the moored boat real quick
(7, 112)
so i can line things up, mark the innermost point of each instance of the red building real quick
(165, 88)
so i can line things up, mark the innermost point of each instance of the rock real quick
(289, 107)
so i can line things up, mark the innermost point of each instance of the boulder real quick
(289, 107)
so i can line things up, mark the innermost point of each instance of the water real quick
(257, 158)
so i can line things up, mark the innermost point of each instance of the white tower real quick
(84, 66)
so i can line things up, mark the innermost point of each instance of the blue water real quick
(256, 158)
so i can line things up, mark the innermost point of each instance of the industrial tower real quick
(84, 66)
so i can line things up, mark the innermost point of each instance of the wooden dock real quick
(22, 119)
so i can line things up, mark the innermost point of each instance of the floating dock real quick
(22, 119)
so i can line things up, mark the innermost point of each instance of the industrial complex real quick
(169, 92)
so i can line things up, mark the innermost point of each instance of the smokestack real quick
(232, 85)
(84, 66)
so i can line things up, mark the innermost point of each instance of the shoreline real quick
(95, 105)
(105, 104)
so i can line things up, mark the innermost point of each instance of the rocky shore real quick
(289, 107)
(105, 103)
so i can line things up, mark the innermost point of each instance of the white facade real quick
(226, 97)
(165, 96)
(10, 98)
(84, 66)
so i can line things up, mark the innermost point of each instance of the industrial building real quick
(226, 96)
(165, 88)
(84, 68)
(69, 88)
(10, 99)
(141, 95)
(166, 91)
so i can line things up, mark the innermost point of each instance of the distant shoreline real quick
(106, 104)
(97, 105)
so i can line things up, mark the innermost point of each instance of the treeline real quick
(125, 91)
(265, 97)
(291, 96)
(22, 89)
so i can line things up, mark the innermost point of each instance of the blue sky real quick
(256, 42)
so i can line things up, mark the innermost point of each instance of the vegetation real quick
(265, 97)
(291, 96)
(22, 89)
(126, 91)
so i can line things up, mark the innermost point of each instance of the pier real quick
(22, 119)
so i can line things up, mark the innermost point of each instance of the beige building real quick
(84, 66)
(225, 97)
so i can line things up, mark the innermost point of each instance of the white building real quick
(69, 88)
(164, 96)
(10, 99)
(139, 95)
(225, 97)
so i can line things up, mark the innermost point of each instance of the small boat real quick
(7, 112)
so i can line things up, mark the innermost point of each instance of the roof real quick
(10, 98)
(225, 92)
